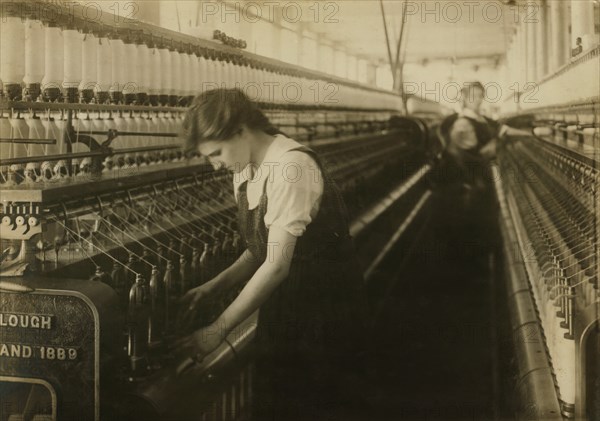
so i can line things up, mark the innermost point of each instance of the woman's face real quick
(463, 134)
(473, 99)
(232, 154)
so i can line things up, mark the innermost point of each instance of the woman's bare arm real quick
(240, 271)
(265, 280)
(263, 283)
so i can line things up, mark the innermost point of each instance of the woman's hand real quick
(489, 150)
(200, 343)
(189, 304)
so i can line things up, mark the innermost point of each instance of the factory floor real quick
(435, 354)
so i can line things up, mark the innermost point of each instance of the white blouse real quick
(293, 184)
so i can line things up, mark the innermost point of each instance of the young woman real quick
(299, 267)
(468, 199)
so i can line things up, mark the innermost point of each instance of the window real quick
(289, 46)
(309, 52)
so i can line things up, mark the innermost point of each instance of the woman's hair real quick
(470, 86)
(219, 114)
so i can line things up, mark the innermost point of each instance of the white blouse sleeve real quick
(294, 190)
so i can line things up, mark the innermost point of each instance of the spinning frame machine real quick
(548, 188)
(105, 221)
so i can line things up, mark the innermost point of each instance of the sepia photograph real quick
(299, 210)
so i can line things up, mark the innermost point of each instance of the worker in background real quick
(578, 47)
(299, 266)
(467, 197)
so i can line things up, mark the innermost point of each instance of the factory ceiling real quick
(443, 29)
(434, 29)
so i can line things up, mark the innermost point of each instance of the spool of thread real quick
(85, 124)
(191, 77)
(202, 74)
(213, 78)
(34, 59)
(107, 122)
(130, 141)
(5, 148)
(118, 66)
(279, 87)
(132, 85)
(121, 142)
(20, 130)
(50, 132)
(166, 74)
(157, 125)
(53, 63)
(270, 87)
(245, 75)
(186, 75)
(155, 83)
(73, 54)
(60, 122)
(178, 141)
(304, 97)
(144, 73)
(99, 124)
(176, 82)
(103, 68)
(89, 67)
(253, 88)
(140, 126)
(196, 77)
(166, 120)
(36, 130)
(225, 73)
(238, 78)
(171, 127)
(266, 95)
(149, 157)
(12, 56)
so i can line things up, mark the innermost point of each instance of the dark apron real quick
(310, 331)
(466, 198)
